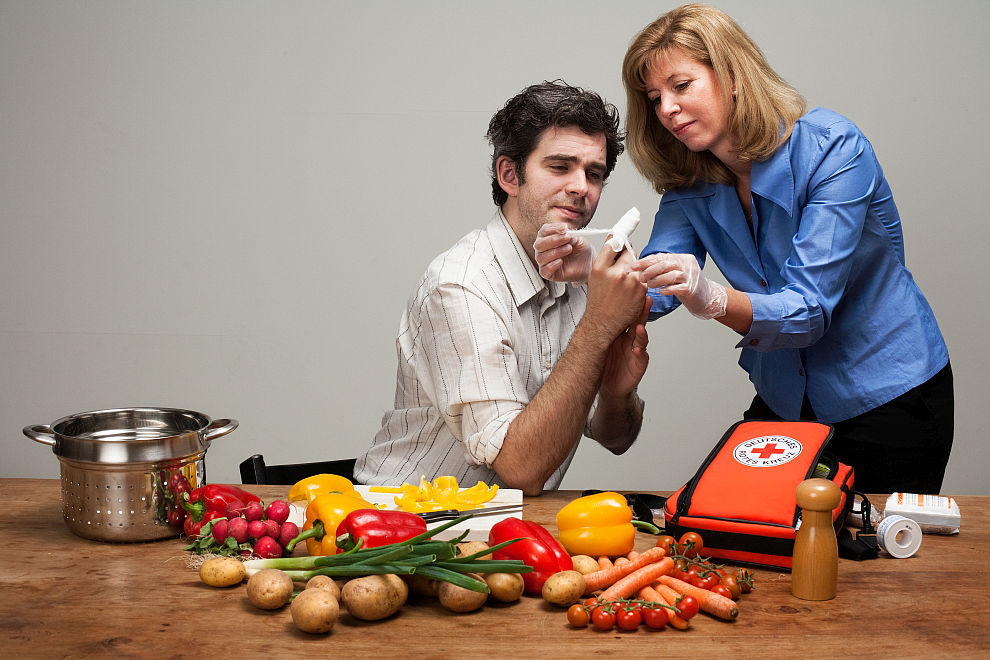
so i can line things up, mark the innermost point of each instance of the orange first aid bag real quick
(742, 499)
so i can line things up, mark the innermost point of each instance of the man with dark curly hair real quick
(500, 370)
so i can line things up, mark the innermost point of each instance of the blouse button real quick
(763, 283)
(754, 342)
(800, 372)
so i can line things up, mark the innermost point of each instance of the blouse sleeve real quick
(842, 178)
(672, 233)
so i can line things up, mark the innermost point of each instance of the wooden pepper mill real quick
(815, 570)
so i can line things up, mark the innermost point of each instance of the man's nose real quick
(577, 183)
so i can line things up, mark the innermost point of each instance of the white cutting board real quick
(478, 527)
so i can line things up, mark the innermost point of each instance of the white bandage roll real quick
(623, 229)
(898, 536)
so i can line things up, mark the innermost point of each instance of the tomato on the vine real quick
(745, 579)
(679, 571)
(703, 581)
(603, 618)
(578, 616)
(722, 590)
(732, 584)
(688, 606)
(668, 543)
(628, 618)
(690, 544)
(655, 617)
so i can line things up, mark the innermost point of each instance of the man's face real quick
(563, 179)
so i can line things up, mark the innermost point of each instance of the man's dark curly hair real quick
(517, 127)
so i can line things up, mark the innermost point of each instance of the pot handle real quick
(217, 428)
(40, 433)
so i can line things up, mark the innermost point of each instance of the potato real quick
(222, 571)
(584, 564)
(459, 599)
(374, 597)
(269, 589)
(470, 547)
(315, 610)
(564, 588)
(505, 587)
(423, 586)
(326, 583)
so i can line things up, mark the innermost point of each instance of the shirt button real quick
(754, 342)
(546, 365)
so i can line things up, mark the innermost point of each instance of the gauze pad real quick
(621, 232)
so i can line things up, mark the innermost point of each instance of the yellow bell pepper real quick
(596, 525)
(307, 489)
(330, 509)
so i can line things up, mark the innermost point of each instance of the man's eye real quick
(594, 176)
(558, 168)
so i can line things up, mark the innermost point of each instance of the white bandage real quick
(621, 232)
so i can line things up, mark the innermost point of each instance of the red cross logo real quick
(768, 450)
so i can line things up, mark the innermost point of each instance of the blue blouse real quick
(836, 314)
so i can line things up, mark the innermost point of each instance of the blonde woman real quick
(793, 207)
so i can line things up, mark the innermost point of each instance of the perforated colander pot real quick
(117, 465)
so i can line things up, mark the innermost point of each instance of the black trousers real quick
(901, 446)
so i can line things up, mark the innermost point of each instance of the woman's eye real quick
(655, 100)
(680, 87)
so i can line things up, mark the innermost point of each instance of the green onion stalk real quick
(418, 555)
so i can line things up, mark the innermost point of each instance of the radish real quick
(237, 528)
(278, 511)
(271, 527)
(267, 548)
(220, 530)
(290, 530)
(253, 511)
(257, 529)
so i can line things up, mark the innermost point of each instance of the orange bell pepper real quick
(323, 515)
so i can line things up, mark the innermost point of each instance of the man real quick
(500, 370)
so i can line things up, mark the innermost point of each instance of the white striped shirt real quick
(476, 342)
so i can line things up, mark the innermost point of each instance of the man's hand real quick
(627, 358)
(615, 294)
(560, 257)
(680, 275)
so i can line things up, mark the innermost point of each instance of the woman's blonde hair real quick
(763, 113)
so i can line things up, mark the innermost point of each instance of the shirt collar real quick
(521, 275)
(773, 179)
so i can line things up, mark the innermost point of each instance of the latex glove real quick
(680, 275)
(561, 257)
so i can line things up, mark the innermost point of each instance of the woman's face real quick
(686, 99)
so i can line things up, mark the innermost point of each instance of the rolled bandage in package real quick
(935, 514)
(620, 233)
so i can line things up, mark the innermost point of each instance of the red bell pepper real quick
(375, 528)
(538, 549)
(214, 497)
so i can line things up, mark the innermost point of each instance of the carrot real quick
(712, 603)
(641, 577)
(632, 554)
(607, 576)
(668, 595)
(651, 594)
(621, 561)
(605, 562)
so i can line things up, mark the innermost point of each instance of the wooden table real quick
(64, 596)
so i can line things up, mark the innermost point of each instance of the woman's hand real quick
(680, 275)
(560, 257)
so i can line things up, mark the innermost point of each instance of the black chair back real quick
(255, 471)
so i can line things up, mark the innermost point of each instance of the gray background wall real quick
(223, 206)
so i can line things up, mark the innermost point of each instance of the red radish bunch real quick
(251, 530)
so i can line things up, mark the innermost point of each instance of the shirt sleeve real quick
(672, 233)
(466, 363)
(844, 175)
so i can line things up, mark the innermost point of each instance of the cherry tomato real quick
(722, 590)
(578, 616)
(603, 618)
(732, 584)
(688, 606)
(655, 617)
(679, 571)
(704, 581)
(745, 579)
(668, 543)
(690, 544)
(628, 619)
(590, 604)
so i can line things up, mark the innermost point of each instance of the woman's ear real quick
(507, 173)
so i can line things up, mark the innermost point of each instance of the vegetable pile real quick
(226, 520)
(440, 494)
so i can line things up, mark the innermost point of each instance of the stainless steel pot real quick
(117, 465)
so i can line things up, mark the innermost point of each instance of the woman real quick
(795, 211)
